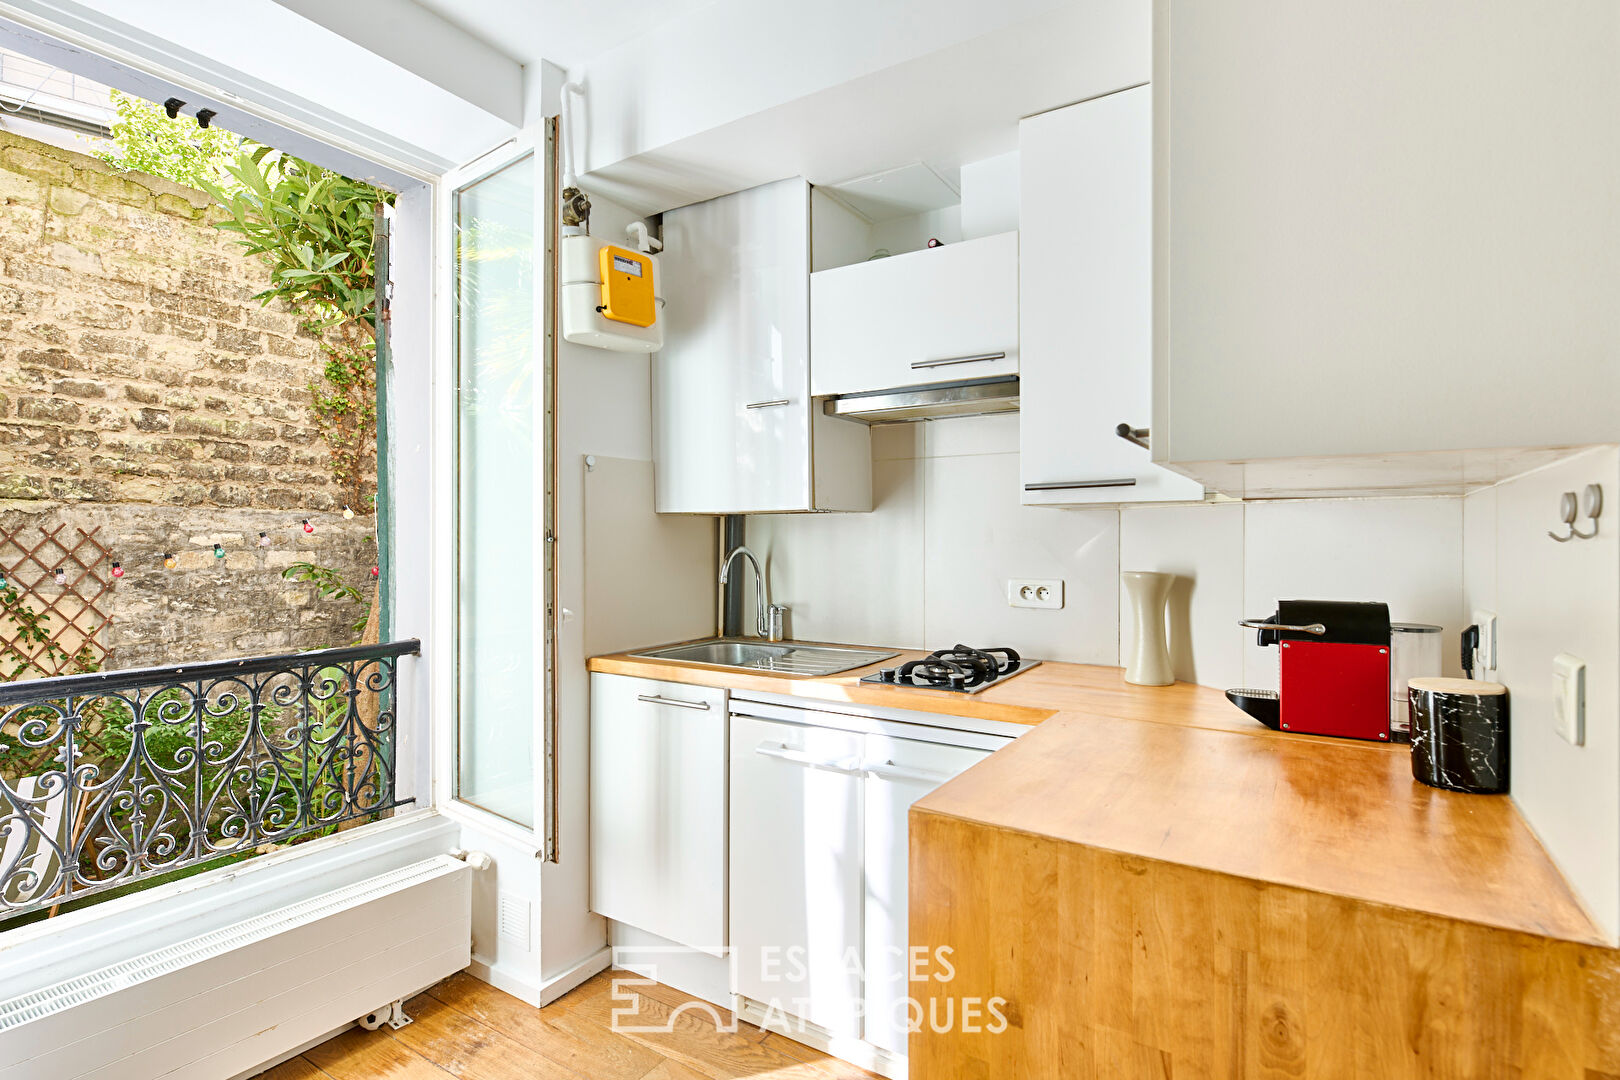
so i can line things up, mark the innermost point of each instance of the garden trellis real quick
(49, 628)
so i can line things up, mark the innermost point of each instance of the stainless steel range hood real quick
(969, 397)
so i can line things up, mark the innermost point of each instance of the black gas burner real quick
(962, 669)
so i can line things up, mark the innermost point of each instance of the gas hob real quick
(960, 670)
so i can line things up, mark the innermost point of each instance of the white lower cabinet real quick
(796, 870)
(818, 865)
(658, 808)
(898, 773)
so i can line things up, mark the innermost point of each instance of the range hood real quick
(969, 397)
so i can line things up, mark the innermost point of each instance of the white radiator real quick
(218, 1004)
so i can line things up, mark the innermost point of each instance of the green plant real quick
(144, 139)
(28, 644)
(314, 227)
(317, 231)
(329, 584)
(345, 409)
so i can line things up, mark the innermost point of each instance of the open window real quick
(498, 210)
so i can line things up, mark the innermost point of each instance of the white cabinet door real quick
(658, 808)
(796, 870)
(1378, 242)
(936, 315)
(1086, 283)
(899, 772)
(731, 388)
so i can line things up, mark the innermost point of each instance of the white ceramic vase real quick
(1149, 661)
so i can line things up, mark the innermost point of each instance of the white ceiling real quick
(566, 32)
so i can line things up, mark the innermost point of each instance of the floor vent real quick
(515, 919)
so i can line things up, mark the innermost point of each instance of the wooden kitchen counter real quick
(1150, 884)
(1180, 775)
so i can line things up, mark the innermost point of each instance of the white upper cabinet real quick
(1384, 229)
(733, 427)
(1086, 320)
(937, 315)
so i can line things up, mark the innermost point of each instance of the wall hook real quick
(1569, 510)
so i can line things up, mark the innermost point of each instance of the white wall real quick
(414, 38)
(946, 87)
(660, 88)
(928, 566)
(296, 73)
(604, 408)
(1551, 598)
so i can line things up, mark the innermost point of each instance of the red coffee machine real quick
(1335, 670)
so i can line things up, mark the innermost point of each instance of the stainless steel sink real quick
(785, 657)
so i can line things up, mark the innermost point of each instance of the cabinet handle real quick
(798, 757)
(917, 365)
(1137, 435)
(658, 699)
(773, 404)
(1063, 485)
(890, 771)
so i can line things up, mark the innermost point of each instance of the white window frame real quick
(446, 705)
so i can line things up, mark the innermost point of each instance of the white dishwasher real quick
(818, 856)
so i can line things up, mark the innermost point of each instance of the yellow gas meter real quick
(627, 286)
(610, 296)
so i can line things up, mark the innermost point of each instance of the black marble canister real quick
(1460, 734)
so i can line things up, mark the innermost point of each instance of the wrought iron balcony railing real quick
(113, 778)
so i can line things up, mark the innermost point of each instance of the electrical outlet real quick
(1035, 592)
(1485, 651)
(1569, 698)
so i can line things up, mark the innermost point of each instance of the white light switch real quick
(1569, 698)
(1035, 592)
(1485, 651)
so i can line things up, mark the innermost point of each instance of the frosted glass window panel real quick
(497, 426)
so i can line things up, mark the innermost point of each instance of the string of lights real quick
(170, 560)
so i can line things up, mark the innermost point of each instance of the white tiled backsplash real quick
(928, 567)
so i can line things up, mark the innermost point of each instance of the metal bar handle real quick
(1260, 624)
(774, 403)
(659, 699)
(918, 365)
(1064, 485)
(1137, 435)
(890, 771)
(798, 757)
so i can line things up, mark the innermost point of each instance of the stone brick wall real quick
(134, 365)
(206, 608)
(143, 391)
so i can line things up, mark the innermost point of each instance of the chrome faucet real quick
(768, 617)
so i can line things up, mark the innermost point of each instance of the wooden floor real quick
(467, 1029)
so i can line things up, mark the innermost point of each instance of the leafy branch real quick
(329, 584)
(317, 231)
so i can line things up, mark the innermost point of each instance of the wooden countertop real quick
(1179, 774)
